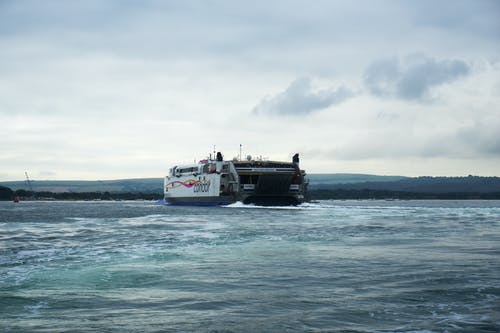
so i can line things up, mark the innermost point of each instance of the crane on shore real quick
(29, 182)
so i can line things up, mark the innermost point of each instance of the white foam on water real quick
(306, 205)
(143, 220)
(35, 308)
(411, 331)
(239, 204)
(420, 331)
(17, 275)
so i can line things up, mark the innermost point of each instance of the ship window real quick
(188, 170)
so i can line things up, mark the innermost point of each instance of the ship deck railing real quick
(266, 169)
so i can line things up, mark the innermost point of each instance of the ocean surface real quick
(330, 266)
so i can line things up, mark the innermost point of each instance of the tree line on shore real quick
(7, 194)
(360, 194)
(320, 194)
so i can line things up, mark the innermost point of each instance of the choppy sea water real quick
(331, 266)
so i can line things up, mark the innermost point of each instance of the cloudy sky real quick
(97, 89)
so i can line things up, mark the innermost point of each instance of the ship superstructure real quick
(219, 182)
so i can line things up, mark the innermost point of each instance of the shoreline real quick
(338, 194)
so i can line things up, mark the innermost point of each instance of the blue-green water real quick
(332, 266)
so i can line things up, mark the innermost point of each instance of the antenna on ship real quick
(240, 151)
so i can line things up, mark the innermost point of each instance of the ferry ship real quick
(213, 182)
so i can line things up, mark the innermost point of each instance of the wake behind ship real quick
(218, 182)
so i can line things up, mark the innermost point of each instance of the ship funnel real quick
(218, 162)
(295, 159)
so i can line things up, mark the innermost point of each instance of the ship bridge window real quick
(188, 170)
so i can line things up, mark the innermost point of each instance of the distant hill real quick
(155, 185)
(326, 180)
(316, 182)
(428, 185)
(145, 185)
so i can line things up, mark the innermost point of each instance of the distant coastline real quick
(322, 186)
(339, 194)
(367, 194)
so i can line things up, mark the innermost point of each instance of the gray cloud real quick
(478, 18)
(480, 138)
(412, 77)
(300, 98)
